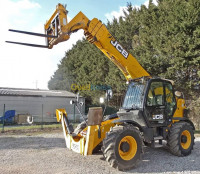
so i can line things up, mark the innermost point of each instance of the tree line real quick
(165, 39)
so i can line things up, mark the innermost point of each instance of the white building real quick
(34, 101)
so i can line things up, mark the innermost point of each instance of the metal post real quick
(74, 112)
(42, 116)
(4, 109)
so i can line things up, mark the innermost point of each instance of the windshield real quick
(134, 96)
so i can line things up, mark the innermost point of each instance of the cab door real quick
(160, 102)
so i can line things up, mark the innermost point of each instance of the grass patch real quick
(53, 126)
(197, 131)
(23, 127)
(32, 128)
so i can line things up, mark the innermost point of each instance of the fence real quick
(24, 114)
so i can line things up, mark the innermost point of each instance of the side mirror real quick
(75, 101)
(109, 94)
(72, 102)
(77, 97)
(81, 103)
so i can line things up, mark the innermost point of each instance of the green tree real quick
(165, 39)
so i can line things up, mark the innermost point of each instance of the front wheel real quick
(122, 147)
(181, 139)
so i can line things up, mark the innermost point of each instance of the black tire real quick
(80, 127)
(177, 143)
(112, 147)
(146, 143)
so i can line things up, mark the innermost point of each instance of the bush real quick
(194, 113)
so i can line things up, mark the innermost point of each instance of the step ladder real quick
(157, 142)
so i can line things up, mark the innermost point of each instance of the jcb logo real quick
(119, 48)
(158, 117)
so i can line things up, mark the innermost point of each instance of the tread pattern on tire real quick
(80, 127)
(174, 139)
(108, 147)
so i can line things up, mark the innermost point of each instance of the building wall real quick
(33, 106)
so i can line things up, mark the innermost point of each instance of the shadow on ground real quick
(161, 160)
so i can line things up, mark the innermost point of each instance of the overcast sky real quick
(28, 67)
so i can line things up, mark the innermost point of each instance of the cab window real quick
(156, 94)
(170, 99)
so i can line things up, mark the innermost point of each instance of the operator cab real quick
(150, 100)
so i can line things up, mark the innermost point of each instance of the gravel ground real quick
(45, 153)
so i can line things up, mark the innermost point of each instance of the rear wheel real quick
(181, 139)
(122, 147)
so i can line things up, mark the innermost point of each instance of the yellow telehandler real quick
(152, 113)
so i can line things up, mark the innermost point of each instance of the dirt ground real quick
(45, 153)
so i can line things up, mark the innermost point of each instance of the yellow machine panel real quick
(97, 34)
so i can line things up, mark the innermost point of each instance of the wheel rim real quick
(187, 143)
(132, 149)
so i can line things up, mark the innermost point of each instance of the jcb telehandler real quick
(151, 112)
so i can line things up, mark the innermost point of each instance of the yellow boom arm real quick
(57, 30)
(97, 34)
